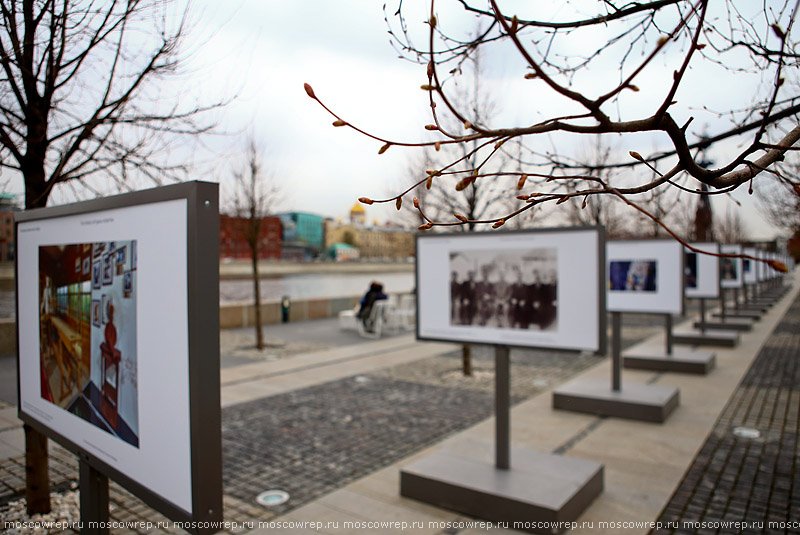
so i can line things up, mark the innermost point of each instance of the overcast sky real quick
(266, 50)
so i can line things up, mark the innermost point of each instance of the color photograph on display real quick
(727, 268)
(87, 333)
(731, 268)
(645, 276)
(632, 275)
(504, 289)
(690, 270)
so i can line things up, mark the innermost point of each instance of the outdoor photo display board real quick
(645, 276)
(539, 288)
(731, 269)
(749, 267)
(761, 266)
(116, 362)
(701, 271)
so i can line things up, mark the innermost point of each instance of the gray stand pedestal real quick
(728, 324)
(540, 487)
(650, 403)
(680, 360)
(696, 337)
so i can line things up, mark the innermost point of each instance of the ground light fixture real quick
(272, 497)
(746, 432)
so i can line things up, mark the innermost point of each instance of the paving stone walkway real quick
(313, 440)
(748, 471)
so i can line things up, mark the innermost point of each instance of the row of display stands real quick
(543, 489)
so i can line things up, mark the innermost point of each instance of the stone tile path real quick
(748, 471)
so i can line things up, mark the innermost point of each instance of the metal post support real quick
(94, 500)
(722, 304)
(669, 334)
(616, 351)
(37, 478)
(502, 407)
(702, 315)
(736, 299)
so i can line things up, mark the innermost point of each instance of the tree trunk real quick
(466, 359)
(36, 193)
(257, 293)
(37, 476)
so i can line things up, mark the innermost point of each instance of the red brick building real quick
(8, 205)
(232, 243)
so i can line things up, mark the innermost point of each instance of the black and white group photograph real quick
(504, 289)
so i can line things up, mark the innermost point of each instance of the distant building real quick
(303, 235)
(232, 242)
(8, 205)
(358, 216)
(375, 242)
(342, 252)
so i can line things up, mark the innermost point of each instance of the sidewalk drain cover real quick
(746, 432)
(271, 498)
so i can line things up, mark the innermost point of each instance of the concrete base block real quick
(709, 337)
(650, 403)
(742, 313)
(680, 361)
(760, 307)
(539, 487)
(729, 324)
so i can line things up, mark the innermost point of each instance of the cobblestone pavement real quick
(748, 470)
(311, 441)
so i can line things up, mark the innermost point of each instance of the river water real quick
(314, 285)
(301, 286)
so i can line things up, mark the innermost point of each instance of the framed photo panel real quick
(701, 271)
(761, 266)
(108, 367)
(731, 269)
(749, 266)
(645, 276)
(538, 288)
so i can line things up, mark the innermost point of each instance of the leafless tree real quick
(656, 53)
(599, 210)
(83, 93)
(477, 200)
(780, 197)
(730, 228)
(255, 195)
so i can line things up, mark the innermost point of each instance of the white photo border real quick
(580, 272)
(668, 295)
(708, 282)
